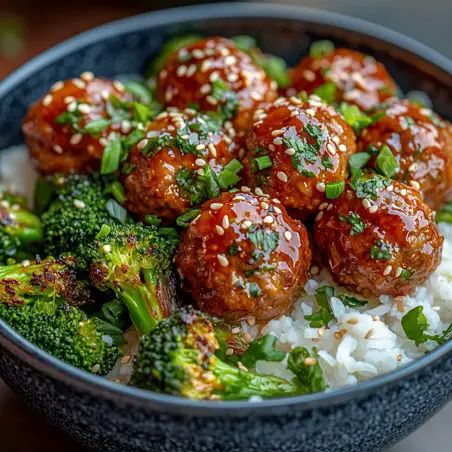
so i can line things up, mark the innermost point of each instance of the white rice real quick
(359, 344)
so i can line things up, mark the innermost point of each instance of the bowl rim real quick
(163, 403)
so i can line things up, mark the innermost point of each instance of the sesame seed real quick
(310, 361)
(319, 216)
(72, 107)
(277, 209)
(331, 148)
(251, 320)
(315, 270)
(287, 235)
(390, 188)
(245, 189)
(219, 230)
(205, 89)
(95, 368)
(277, 132)
(79, 204)
(181, 70)
(76, 138)
(57, 148)
(294, 112)
(268, 219)
(255, 96)
(105, 94)
(436, 308)
(276, 201)
(191, 70)
(225, 222)
(264, 205)
(246, 224)
(235, 330)
(399, 357)
(369, 334)
(222, 260)
(352, 321)
(258, 191)
(230, 60)
(206, 65)
(320, 186)
(366, 203)
(415, 184)
(342, 148)
(229, 351)
(69, 99)
(26, 263)
(336, 139)
(107, 248)
(216, 205)
(142, 144)
(79, 83)
(56, 86)
(398, 271)
(403, 192)
(282, 176)
(84, 108)
(118, 85)
(309, 75)
(310, 111)
(198, 53)
(387, 270)
(289, 151)
(214, 76)
(211, 100)
(200, 147)
(324, 205)
(212, 149)
(87, 76)
(277, 141)
(125, 126)
(373, 208)
(295, 100)
(200, 162)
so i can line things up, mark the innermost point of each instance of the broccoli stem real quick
(241, 384)
(142, 303)
(28, 227)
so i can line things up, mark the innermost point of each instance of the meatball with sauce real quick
(65, 131)
(298, 150)
(378, 238)
(355, 77)
(244, 256)
(422, 145)
(174, 167)
(215, 75)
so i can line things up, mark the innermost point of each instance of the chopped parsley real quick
(356, 222)
(369, 186)
(226, 98)
(405, 274)
(262, 239)
(352, 302)
(305, 366)
(324, 315)
(415, 326)
(233, 250)
(380, 251)
(262, 349)
(304, 152)
(254, 290)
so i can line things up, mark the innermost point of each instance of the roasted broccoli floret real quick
(63, 331)
(48, 279)
(20, 229)
(134, 261)
(75, 215)
(178, 357)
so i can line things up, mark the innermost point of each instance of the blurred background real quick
(29, 27)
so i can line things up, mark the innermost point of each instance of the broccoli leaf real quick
(306, 369)
(262, 349)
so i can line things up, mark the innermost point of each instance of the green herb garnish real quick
(386, 163)
(262, 349)
(326, 92)
(334, 189)
(320, 49)
(356, 222)
(380, 251)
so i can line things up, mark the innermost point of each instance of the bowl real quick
(104, 415)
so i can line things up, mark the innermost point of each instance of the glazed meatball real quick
(378, 237)
(358, 78)
(296, 149)
(215, 75)
(171, 169)
(244, 256)
(422, 144)
(55, 126)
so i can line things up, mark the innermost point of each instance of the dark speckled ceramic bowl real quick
(366, 417)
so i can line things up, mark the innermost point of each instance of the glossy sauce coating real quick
(384, 244)
(216, 76)
(177, 143)
(359, 79)
(308, 144)
(244, 256)
(60, 148)
(422, 144)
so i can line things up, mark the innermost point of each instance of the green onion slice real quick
(111, 156)
(184, 220)
(334, 189)
(386, 163)
(322, 48)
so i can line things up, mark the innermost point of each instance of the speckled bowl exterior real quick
(109, 417)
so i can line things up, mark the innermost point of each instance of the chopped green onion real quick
(132, 138)
(386, 163)
(380, 251)
(96, 126)
(111, 157)
(327, 92)
(276, 68)
(116, 210)
(117, 190)
(184, 220)
(445, 214)
(405, 275)
(104, 231)
(334, 189)
(142, 112)
(152, 220)
(358, 161)
(139, 90)
(170, 233)
(263, 162)
(322, 48)
(233, 166)
(244, 42)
